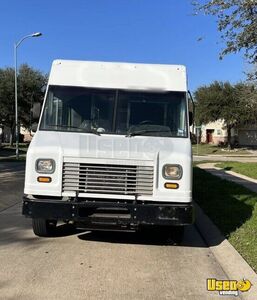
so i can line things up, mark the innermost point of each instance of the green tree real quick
(30, 83)
(237, 22)
(236, 105)
(7, 96)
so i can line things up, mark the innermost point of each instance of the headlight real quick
(46, 166)
(172, 171)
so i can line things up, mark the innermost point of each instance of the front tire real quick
(43, 227)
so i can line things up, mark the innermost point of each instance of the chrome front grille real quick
(107, 179)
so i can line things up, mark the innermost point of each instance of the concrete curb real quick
(230, 260)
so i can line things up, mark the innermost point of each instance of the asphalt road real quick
(11, 183)
(91, 265)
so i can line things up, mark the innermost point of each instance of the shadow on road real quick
(64, 230)
(191, 238)
(11, 166)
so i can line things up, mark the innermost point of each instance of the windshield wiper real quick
(140, 132)
(82, 129)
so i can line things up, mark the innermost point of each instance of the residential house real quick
(5, 134)
(216, 133)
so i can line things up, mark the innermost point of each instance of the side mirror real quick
(191, 119)
(36, 111)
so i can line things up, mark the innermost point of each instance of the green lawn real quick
(208, 149)
(247, 169)
(232, 208)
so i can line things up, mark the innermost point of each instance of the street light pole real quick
(16, 45)
(16, 104)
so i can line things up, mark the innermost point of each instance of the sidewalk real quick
(249, 158)
(243, 180)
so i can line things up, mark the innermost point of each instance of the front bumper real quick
(104, 213)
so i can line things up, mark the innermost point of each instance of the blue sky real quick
(147, 31)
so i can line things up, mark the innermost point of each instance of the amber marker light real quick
(44, 179)
(172, 186)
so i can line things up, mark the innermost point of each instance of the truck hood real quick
(84, 145)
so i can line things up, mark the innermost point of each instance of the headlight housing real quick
(46, 166)
(174, 172)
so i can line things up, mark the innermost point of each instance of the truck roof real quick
(117, 75)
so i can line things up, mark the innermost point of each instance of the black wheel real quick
(42, 227)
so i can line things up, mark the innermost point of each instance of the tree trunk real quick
(12, 135)
(11, 139)
(230, 145)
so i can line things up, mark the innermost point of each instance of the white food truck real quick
(112, 149)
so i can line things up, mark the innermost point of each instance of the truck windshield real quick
(101, 111)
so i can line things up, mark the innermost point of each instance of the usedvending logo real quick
(228, 287)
